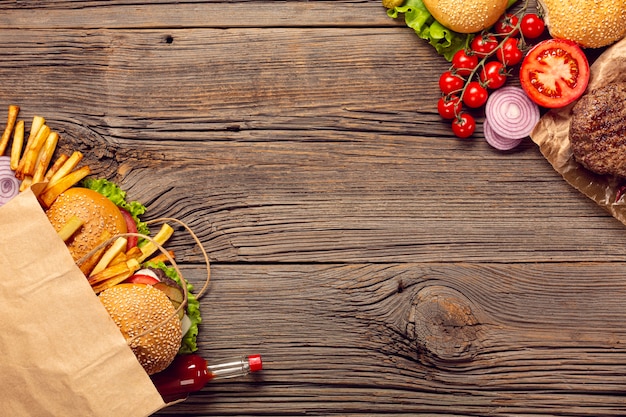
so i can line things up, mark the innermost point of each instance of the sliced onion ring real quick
(9, 185)
(511, 113)
(502, 143)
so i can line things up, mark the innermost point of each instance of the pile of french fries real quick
(31, 158)
(31, 163)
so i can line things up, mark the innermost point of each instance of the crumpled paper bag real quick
(552, 136)
(60, 353)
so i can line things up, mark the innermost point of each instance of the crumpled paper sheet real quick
(61, 354)
(552, 136)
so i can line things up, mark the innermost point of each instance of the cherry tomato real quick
(464, 125)
(475, 95)
(507, 25)
(450, 83)
(532, 26)
(554, 73)
(510, 54)
(449, 107)
(483, 45)
(493, 75)
(464, 62)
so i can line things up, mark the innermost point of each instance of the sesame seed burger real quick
(141, 308)
(102, 218)
(466, 16)
(590, 23)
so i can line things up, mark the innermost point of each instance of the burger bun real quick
(148, 320)
(466, 16)
(100, 216)
(591, 24)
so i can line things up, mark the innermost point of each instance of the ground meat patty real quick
(598, 130)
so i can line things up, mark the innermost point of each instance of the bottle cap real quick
(255, 362)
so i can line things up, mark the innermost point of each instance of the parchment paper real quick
(552, 136)
(60, 353)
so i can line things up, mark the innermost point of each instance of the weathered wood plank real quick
(304, 154)
(170, 14)
(354, 340)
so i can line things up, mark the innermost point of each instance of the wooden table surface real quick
(379, 265)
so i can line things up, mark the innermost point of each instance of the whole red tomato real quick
(464, 62)
(532, 26)
(464, 125)
(507, 25)
(510, 54)
(449, 107)
(493, 75)
(450, 83)
(475, 95)
(484, 44)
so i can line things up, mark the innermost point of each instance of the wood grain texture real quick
(381, 266)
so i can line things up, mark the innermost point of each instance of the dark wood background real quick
(379, 265)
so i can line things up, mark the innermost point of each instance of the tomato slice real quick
(555, 73)
(131, 227)
(141, 279)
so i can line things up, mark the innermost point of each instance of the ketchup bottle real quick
(189, 373)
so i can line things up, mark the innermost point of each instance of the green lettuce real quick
(118, 196)
(188, 344)
(445, 41)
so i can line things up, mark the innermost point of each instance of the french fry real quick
(56, 166)
(31, 155)
(4, 141)
(70, 227)
(133, 253)
(50, 194)
(16, 146)
(113, 275)
(121, 257)
(26, 182)
(37, 123)
(45, 156)
(161, 257)
(115, 249)
(65, 169)
(161, 237)
(88, 264)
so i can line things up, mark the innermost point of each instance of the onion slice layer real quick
(511, 113)
(9, 185)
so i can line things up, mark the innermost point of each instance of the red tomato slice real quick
(131, 227)
(555, 73)
(141, 279)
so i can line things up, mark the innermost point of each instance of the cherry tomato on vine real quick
(464, 62)
(532, 26)
(475, 95)
(450, 83)
(510, 54)
(507, 25)
(464, 125)
(484, 44)
(449, 107)
(493, 75)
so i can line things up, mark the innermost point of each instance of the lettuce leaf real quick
(118, 196)
(416, 16)
(188, 344)
(445, 41)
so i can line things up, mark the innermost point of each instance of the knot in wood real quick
(443, 325)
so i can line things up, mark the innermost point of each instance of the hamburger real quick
(598, 130)
(145, 303)
(466, 16)
(148, 320)
(591, 24)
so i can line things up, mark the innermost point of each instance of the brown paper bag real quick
(60, 353)
(552, 136)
